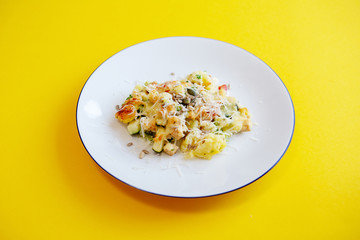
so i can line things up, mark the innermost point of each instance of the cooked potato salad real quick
(193, 115)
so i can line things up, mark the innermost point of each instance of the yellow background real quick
(52, 189)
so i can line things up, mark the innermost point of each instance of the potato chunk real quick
(170, 148)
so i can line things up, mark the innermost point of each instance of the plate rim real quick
(187, 197)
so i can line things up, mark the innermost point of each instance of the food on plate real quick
(193, 114)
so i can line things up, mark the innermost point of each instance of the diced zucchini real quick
(158, 146)
(159, 140)
(134, 127)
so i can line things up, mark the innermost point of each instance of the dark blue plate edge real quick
(206, 196)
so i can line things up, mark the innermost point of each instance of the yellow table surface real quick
(52, 189)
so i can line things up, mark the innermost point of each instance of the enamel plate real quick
(248, 155)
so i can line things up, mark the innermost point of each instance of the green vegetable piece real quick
(158, 146)
(158, 140)
(148, 137)
(134, 127)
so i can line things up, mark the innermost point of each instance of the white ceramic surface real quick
(248, 155)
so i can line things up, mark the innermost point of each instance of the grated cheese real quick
(178, 170)
(254, 139)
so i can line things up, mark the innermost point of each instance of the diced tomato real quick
(223, 87)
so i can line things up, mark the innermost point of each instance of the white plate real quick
(248, 155)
